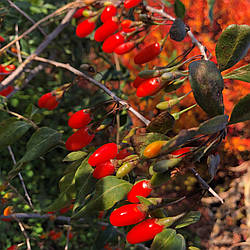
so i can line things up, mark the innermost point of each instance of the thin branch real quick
(67, 239)
(189, 33)
(20, 60)
(95, 82)
(27, 239)
(205, 185)
(26, 15)
(21, 179)
(40, 48)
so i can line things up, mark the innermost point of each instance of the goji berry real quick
(126, 26)
(108, 12)
(79, 119)
(6, 91)
(181, 151)
(85, 28)
(112, 42)
(48, 101)
(153, 149)
(131, 3)
(125, 48)
(141, 188)
(149, 87)
(103, 169)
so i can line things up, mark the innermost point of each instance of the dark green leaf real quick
(162, 123)
(241, 111)
(242, 74)
(158, 179)
(188, 219)
(109, 190)
(168, 240)
(232, 45)
(66, 181)
(178, 30)
(40, 143)
(179, 9)
(207, 85)
(213, 125)
(74, 156)
(11, 131)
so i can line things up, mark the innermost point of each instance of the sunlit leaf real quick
(242, 74)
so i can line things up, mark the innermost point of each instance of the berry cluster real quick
(137, 213)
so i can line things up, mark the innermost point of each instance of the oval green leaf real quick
(109, 190)
(74, 156)
(241, 111)
(188, 219)
(179, 9)
(232, 45)
(164, 165)
(207, 85)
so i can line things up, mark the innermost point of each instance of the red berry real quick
(78, 13)
(48, 101)
(128, 215)
(103, 169)
(124, 48)
(84, 28)
(1, 39)
(148, 53)
(13, 247)
(107, 29)
(104, 153)
(141, 188)
(79, 139)
(112, 42)
(108, 12)
(6, 91)
(181, 151)
(144, 231)
(131, 3)
(149, 87)
(9, 68)
(123, 154)
(126, 26)
(79, 119)
(137, 82)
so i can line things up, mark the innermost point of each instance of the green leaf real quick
(162, 123)
(74, 156)
(168, 240)
(40, 143)
(66, 181)
(213, 125)
(211, 8)
(11, 131)
(84, 182)
(158, 179)
(232, 45)
(241, 111)
(179, 9)
(207, 85)
(188, 219)
(109, 190)
(242, 74)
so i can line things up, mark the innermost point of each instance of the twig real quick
(26, 15)
(205, 185)
(21, 179)
(67, 240)
(27, 239)
(189, 33)
(95, 82)
(40, 48)
(20, 60)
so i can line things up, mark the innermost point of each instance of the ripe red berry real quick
(128, 215)
(126, 26)
(181, 151)
(107, 29)
(13, 247)
(131, 3)
(78, 13)
(1, 39)
(123, 154)
(6, 91)
(137, 82)
(103, 169)
(79, 119)
(148, 53)
(48, 101)
(124, 48)
(112, 42)
(141, 188)
(149, 87)
(144, 231)
(104, 153)
(108, 12)
(84, 28)
(79, 139)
